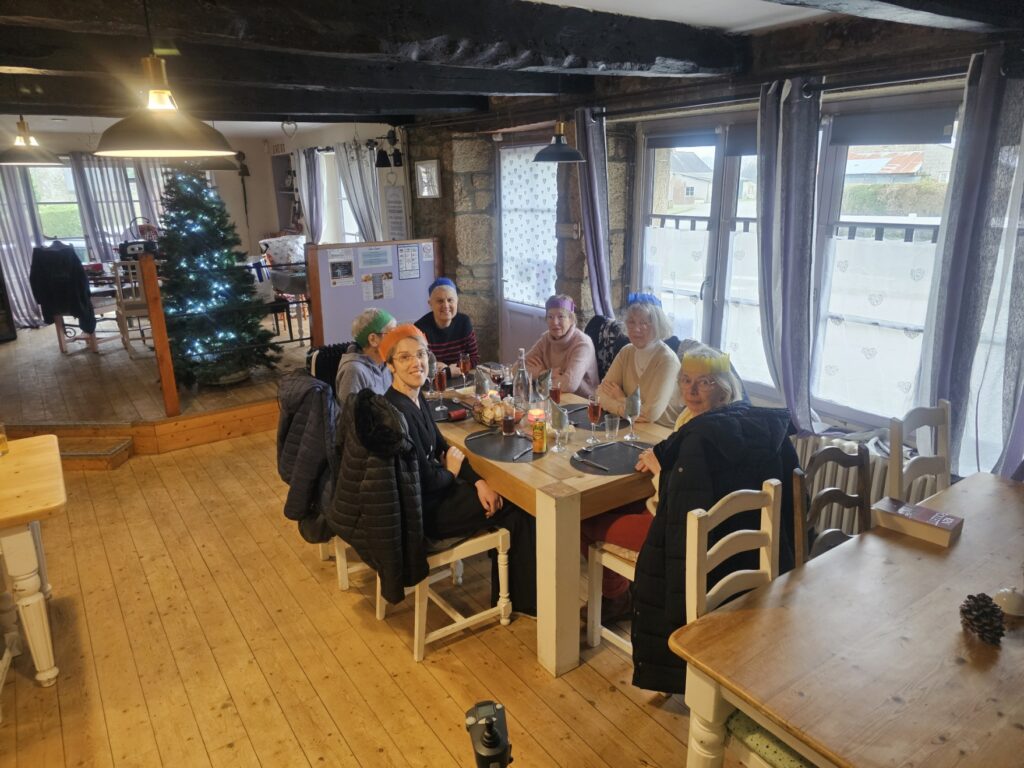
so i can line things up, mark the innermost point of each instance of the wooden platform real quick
(192, 627)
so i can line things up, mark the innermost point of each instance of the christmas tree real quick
(213, 316)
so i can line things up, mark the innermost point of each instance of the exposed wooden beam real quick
(55, 52)
(490, 34)
(76, 96)
(965, 15)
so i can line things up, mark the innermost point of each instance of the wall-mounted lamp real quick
(386, 159)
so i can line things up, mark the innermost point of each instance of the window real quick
(879, 215)
(699, 238)
(349, 228)
(53, 191)
(529, 194)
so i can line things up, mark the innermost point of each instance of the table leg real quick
(708, 713)
(37, 539)
(558, 582)
(22, 568)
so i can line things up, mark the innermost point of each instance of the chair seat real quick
(620, 552)
(760, 742)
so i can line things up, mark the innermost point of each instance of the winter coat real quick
(357, 371)
(721, 451)
(306, 457)
(60, 286)
(377, 506)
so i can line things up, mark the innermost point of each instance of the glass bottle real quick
(521, 383)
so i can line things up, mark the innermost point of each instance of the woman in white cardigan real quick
(646, 362)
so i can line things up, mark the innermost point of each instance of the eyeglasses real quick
(704, 383)
(407, 357)
(637, 324)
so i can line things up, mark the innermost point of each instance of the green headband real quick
(376, 325)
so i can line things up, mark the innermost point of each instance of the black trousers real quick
(462, 514)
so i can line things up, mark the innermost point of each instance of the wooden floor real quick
(39, 385)
(192, 626)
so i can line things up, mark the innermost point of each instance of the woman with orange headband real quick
(565, 349)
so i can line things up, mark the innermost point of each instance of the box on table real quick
(917, 520)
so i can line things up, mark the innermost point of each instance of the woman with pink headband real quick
(565, 349)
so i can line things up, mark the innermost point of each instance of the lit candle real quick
(535, 414)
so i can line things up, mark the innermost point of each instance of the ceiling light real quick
(26, 150)
(558, 151)
(161, 129)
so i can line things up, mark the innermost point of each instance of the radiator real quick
(834, 516)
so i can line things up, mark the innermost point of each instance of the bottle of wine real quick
(521, 383)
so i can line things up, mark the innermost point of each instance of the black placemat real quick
(578, 416)
(620, 458)
(494, 446)
(452, 405)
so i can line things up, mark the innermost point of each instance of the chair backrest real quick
(700, 560)
(807, 515)
(322, 362)
(608, 337)
(902, 476)
(128, 282)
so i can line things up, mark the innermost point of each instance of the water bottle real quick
(521, 383)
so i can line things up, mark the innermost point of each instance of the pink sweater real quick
(572, 357)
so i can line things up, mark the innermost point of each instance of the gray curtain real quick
(978, 264)
(16, 244)
(104, 202)
(358, 176)
(311, 191)
(592, 143)
(149, 181)
(787, 141)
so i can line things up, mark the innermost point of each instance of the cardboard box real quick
(917, 520)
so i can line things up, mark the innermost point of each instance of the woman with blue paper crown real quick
(647, 363)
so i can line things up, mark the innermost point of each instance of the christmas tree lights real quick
(213, 315)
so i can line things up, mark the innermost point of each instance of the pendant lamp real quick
(26, 150)
(161, 129)
(558, 151)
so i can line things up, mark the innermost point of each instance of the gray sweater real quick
(357, 372)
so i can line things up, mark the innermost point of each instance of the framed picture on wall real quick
(428, 178)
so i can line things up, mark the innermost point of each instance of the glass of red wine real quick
(595, 416)
(465, 365)
(441, 384)
(555, 392)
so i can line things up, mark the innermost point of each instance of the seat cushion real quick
(763, 744)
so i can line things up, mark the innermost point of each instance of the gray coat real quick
(306, 456)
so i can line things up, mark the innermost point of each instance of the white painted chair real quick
(905, 480)
(749, 743)
(131, 306)
(623, 562)
(338, 549)
(446, 558)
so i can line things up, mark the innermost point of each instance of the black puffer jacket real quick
(719, 452)
(306, 457)
(377, 506)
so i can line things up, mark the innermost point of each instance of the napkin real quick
(632, 409)
(559, 417)
(544, 384)
(482, 383)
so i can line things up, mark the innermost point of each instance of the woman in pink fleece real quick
(565, 349)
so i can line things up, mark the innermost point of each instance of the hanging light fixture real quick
(558, 151)
(26, 150)
(161, 129)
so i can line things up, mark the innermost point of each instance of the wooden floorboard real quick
(193, 626)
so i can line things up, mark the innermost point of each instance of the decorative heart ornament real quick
(289, 128)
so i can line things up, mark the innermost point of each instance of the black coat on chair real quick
(60, 286)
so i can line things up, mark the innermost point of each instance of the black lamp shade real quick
(382, 158)
(558, 151)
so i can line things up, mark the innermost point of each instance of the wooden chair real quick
(131, 305)
(807, 516)
(751, 745)
(621, 560)
(902, 477)
(452, 551)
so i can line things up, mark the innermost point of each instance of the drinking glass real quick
(632, 410)
(498, 375)
(594, 414)
(556, 389)
(611, 426)
(465, 365)
(561, 440)
(508, 420)
(441, 383)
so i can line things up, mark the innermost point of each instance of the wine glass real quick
(441, 384)
(631, 411)
(428, 385)
(595, 417)
(465, 365)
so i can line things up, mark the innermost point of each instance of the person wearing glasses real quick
(565, 349)
(646, 362)
(433, 489)
(365, 367)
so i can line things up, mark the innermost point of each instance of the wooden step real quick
(94, 453)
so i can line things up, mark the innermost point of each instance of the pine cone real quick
(980, 614)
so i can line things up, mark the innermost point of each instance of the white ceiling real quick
(727, 15)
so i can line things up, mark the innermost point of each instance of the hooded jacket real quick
(306, 458)
(716, 453)
(357, 371)
(377, 506)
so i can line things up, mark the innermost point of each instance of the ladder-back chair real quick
(808, 516)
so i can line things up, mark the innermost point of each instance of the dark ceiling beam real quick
(77, 96)
(490, 34)
(54, 52)
(964, 15)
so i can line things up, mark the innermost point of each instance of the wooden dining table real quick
(859, 659)
(559, 496)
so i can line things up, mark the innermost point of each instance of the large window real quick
(53, 190)
(529, 195)
(699, 238)
(879, 217)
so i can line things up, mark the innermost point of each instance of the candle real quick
(535, 414)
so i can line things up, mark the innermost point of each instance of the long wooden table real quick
(858, 658)
(31, 489)
(559, 496)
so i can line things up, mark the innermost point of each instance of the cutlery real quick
(640, 448)
(576, 408)
(588, 448)
(594, 464)
(522, 453)
(481, 434)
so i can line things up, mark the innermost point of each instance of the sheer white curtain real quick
(16, 246)
(358, 175)
(104, 200)
(310, 186)
(150, 178)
